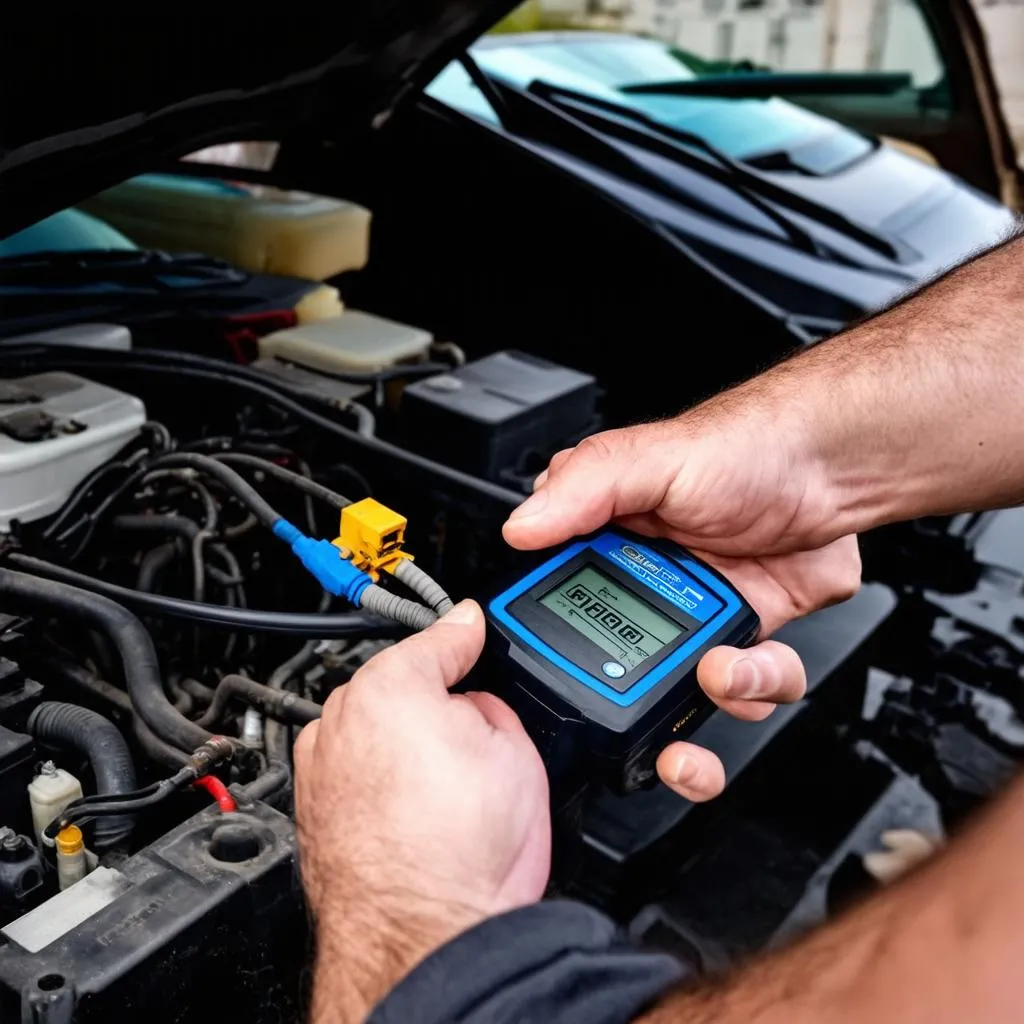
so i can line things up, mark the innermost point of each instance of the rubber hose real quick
(301, 483)
(181, 525)
(400, 609)
(153, 563)
(90, 734)
(129, 636)
(298, 624)
(289, 707)
(423, 586)
(277, 736)
(273, 780)
(237, 485)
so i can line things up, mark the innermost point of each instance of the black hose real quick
(414, 469)
(153, 564)
(166, 523)
(101, 742)
(236, 484)
(287, 476)
(280, 704)
(272, 781)
(133, 642)
(71, 673)
(298, 624)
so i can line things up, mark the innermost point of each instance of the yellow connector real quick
(371, 537)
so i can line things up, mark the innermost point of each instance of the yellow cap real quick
(69, 841)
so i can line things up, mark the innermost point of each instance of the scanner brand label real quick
(661, 572)
(661, 575)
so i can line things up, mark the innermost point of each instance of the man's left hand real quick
(420, 814)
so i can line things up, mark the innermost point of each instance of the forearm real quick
(944, 945)
(917, 411)
(357, 962)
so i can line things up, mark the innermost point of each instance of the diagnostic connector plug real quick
(325, 562)
(372, 535)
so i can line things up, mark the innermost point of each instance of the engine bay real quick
(150, 608)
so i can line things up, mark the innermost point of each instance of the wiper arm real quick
(605, 112)
(627, 133)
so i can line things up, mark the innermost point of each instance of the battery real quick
(495, 415)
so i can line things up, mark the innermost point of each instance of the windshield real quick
(600, 65)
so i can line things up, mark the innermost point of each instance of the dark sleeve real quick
(556, 962)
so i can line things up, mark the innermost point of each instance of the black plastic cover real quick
(489, 416)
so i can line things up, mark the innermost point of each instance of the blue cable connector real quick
(321, 558)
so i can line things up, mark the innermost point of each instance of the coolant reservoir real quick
(356, 342)
(49, 793)
(264, 230)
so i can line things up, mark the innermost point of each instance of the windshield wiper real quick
(609, 117)
(567, 98)
(766, 84)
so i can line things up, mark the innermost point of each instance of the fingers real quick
(602, 477)
(433, 660)
(691, 771)
(749, 683)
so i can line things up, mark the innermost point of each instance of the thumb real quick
(433, 660)
(617, 473)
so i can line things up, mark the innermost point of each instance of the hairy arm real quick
(946, 944)
(917, 411)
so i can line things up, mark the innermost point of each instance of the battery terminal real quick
(371, 536)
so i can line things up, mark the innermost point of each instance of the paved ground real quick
(1005, 25)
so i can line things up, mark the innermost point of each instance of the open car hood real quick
(93, 98)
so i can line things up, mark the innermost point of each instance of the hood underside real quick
(108, 96)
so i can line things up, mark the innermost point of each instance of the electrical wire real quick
(89, 807)
(219, 792)
(299, 624)
(423, 586)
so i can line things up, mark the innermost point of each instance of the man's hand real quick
(734, 481)
(420, 814)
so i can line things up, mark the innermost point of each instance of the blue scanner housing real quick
(597, 649)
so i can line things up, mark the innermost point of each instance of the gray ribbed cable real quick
(399, 609)
(423, 586)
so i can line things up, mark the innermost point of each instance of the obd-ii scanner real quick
(597, 648)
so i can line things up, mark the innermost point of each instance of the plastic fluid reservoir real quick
(261, 229)
(49, 793)
(354, 341)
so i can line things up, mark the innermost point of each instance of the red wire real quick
(219, 792)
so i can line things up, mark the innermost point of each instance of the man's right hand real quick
(734, 481)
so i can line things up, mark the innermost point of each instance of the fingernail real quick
(744, 680)
(463, 614)
(686, 771)
(533, 506)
